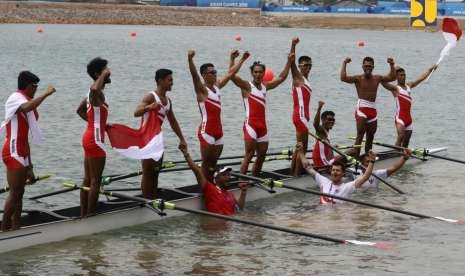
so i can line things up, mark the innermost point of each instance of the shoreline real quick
(127, 14)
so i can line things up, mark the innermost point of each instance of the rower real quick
(217, 198)
(157, 103)
(367, 88)
(301, 95)
(94, 110)
(20, 117)
(322, 154)
(210, 132)
(372, 181)
(334, 184)
(255, 129)
(401, 92)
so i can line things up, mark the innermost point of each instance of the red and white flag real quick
(452, 33)
(143, 143)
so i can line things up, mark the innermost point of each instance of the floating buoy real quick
(268, 76)
(40, 30)
(361, 43)
(238, 38)
(133, 34)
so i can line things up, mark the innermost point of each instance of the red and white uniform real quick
(219, 201)
(94, 135)
(255, 119)
(160, 112)
(15, 152)
(367, 110)
(322, 155)
(404, 106)
(210, 130)
(301, 111)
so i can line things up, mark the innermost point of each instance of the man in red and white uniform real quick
(301, 96)
(210, 131)
(253, 95)
(322, 154)
(94, 110)
(20, 118)
(367, 89)
(218, 199)
(334, 185)
(401, 92)
(157, 103)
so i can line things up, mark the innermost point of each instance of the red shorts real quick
(209, 139)
(255, 131)
(300, 126)
(406, 121)
(368, 113)
(13, 163)
(92, 150)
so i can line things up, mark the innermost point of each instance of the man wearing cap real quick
(217, 198)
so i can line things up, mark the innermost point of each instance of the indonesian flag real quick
(452, 33)
(143, 143)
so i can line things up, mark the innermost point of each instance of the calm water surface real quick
(186, 245)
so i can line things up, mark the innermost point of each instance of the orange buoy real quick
(361, 43)
(238, 38)
(133, 34)
(268, 76)
(40, 30)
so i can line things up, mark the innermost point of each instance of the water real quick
(184, 245)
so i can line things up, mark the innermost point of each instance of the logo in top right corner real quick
(423, 13)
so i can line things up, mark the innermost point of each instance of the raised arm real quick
(301, 157)
(34, 103)
(175, 125)
(82, 110)
(422, 77)
(201, 179)
(391, 76)
(399, 163)
(233, 68)
(368, 171)
(242, 84)
(241, 202)
(199, 88)
(391, 87)
(316, 120)
(148, 103)
(283, 75)
(297, 78)
(344, 77)
(96, 90)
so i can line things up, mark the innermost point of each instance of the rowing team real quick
(21, 117)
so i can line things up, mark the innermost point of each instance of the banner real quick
(423, 13)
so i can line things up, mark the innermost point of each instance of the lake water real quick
(182, 245)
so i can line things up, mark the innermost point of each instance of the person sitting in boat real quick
(217, 198)
(372, 181)
(334, 185)
(322, 155)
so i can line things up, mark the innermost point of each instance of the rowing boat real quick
(41, 226)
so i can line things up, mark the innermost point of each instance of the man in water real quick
(367, 89)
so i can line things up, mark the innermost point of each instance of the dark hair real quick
(25, 78)
(96, 67)
(204, 67)
(340, 163)
(369, 59)
(304, 58)
(257, 63)
(400, 69)
(327, 113)
(162, 73)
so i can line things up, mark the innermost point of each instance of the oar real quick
(394, 147)
(356, 162)
(422, 152)
(280, 184)
(160, 205)
(38, 178)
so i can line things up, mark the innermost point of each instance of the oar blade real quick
(380, 245)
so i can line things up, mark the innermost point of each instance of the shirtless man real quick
(210, 131)
(401, 91)
(367, 88)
